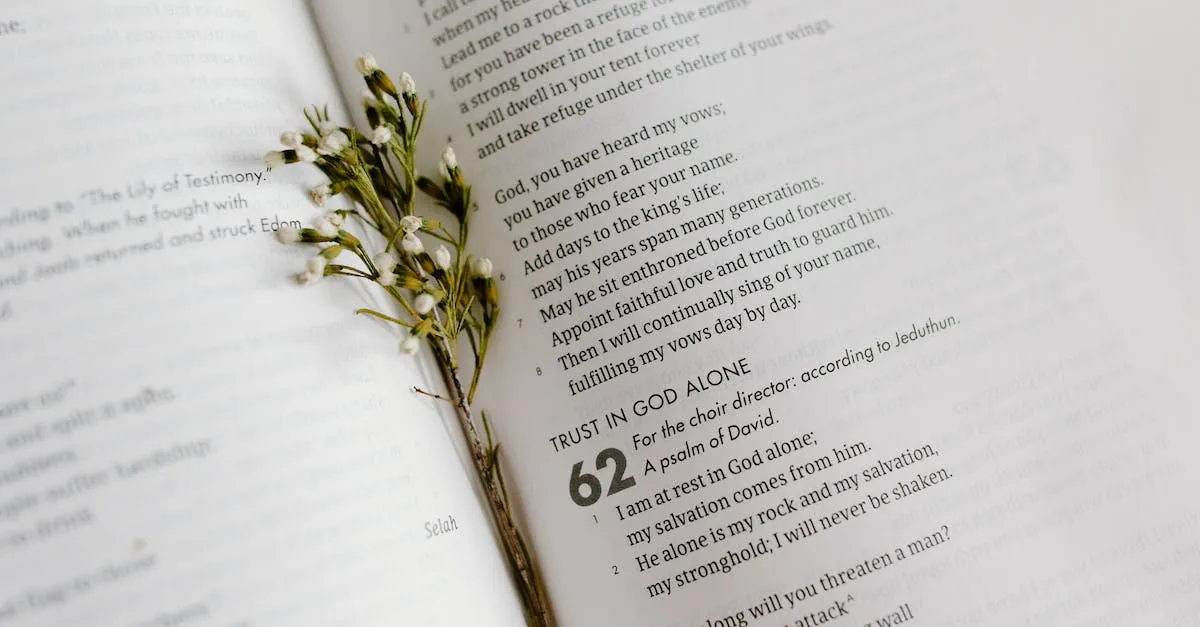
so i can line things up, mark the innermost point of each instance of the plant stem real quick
(376, 314)
(482, 353)
(536, 608)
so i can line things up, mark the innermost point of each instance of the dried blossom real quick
(308, 278)
(447, 300)
(306, 154)
(481, 267)
(320, 194)
(412, 244)
(441, 258)
(386, 261)
(333, 143)
(288, 235)
(424, 303)
(325, 228)
(410, 224)
(366, 65)
(291, 139)
(381, 135)
(317, 265)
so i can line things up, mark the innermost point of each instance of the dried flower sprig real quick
(446, 299)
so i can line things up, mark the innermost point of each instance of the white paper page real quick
(1018, 453)
(186, 436)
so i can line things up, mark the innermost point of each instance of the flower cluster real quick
(440, 295)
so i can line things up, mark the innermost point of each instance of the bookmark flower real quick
(386, 278)
(288, 235)
(410, 345)
(291, 139)
(408, 91)
(410, 224)
(366, 65)
(441, 258)
(306, 154)
(314, 270)
(481, 267)
(317, 264)
(412, 244)
(381, 135)
(333, 143)
(448, 165)
(377, 239)
(336, 219)
(424, 303)
(386, 261)
(325, 227)
(320, 194)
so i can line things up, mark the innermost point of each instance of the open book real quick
(852, 313)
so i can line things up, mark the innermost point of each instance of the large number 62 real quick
(580, 479)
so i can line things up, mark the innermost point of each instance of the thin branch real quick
(436, 395)
(370, 312)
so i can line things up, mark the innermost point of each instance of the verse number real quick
(586, 488)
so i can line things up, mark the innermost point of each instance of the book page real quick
(187, 437)
(815, 313)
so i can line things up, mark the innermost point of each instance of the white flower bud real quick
(441, 257)
(410, 345)
(412, 244)
(306, 154)
(308, 278)
(369, 99)
(335, 219)
(366, 65)
(407, 84)
(320, 194)
(291, 139)
(386, 279)
(381, 135)
(449, 159)
(482, 267)
(424, 303)
(333, 143)
(288, 235)
(324, 227)
(274, 159)
(410, 224)
(316, 265)
(326, 127)
(386, 262)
